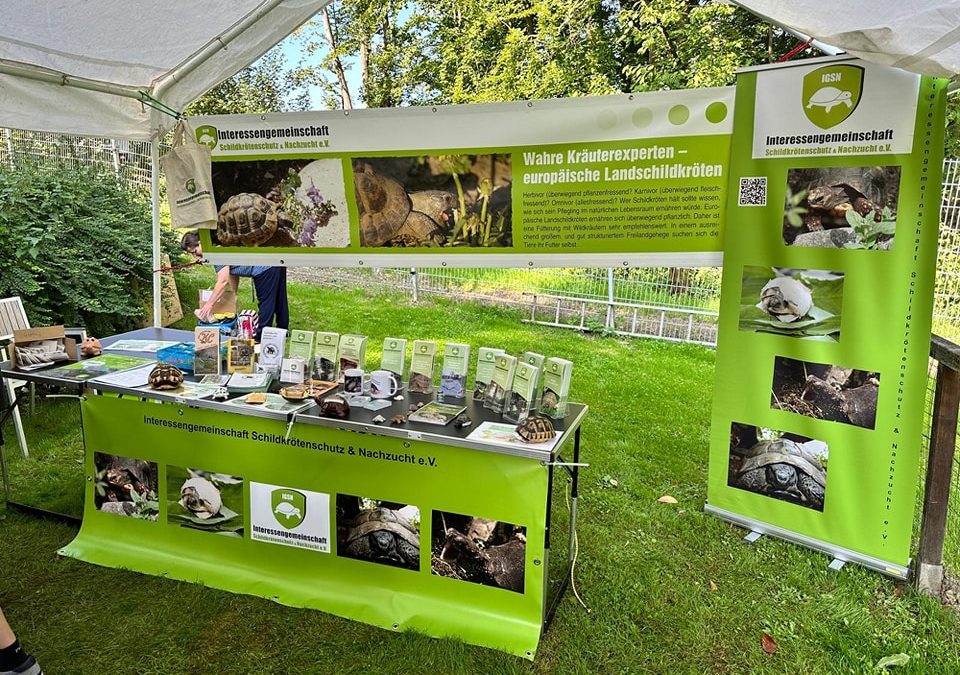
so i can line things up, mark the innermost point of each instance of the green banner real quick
(828, 277)
(613, 180)
(399, 534)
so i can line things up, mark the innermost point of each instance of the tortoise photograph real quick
(125, 486)
(825, 392)
(842, 207)
(428, 202)
(801, 303)
(205, 500)
(778, 464)
(386, 533)
(289, 203)
(478, 550)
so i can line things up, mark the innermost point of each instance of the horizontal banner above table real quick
(624, 180)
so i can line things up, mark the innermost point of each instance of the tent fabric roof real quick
(921, 36)
(175, 50)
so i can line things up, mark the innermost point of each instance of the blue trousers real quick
(271, 289)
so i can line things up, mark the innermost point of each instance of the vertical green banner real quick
(828, 277)
(399, 534)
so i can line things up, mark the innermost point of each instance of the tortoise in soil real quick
(784, 470)
(829, 97)
(247, 219)
(501, 566)
(386, 212)
(418, 229)
(535, 429)
(164, 376)
(383, 205)
(383, 536)
(122, 476)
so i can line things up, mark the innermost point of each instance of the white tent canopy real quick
(77, 66)
(922, 36)
(80, 66)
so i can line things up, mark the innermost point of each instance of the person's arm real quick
(225, 280)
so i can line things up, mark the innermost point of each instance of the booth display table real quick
(414, 526)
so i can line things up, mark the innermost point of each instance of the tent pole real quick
(217, 44)
(155, 204)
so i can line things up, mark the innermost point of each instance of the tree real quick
(677, 44)
(269, 85)
(507, 50)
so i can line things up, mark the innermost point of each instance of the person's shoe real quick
(28, 667)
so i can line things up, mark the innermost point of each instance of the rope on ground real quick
(573, 563)
(171, 268)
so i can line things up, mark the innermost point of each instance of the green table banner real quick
(632, 179)
(371, 528)
(827, 290)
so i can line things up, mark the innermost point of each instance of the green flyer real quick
(828, 275)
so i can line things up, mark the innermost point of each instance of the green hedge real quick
(75, 246)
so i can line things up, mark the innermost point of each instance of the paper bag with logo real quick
(189, 182)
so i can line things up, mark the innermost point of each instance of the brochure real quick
(394, 356)
(453, 375)
(325, 356)
(556, 387)
(486, 360)
(81, 371)
(301, 345)
(436, 413)
(505, 435)
(421, 367)
(495, 396)
(352, 352)
(206, 355)
(240, 355)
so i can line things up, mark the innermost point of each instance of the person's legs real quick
(13, 660)
(283, 309)
(265, 285)
(7, 637)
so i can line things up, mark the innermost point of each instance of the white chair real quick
(13, 317)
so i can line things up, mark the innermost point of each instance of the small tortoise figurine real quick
(535, 429)
(335, 406)
(90, 347)
(165, 376)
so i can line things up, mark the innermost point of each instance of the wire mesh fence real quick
(946, 304)
(669, 303)
(128, 160)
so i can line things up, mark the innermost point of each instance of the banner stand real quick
(837, 552)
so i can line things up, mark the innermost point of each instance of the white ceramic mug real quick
(383, 384)
(355, 381)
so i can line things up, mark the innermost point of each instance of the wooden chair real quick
(13, 317)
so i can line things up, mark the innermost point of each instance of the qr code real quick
(753, 191)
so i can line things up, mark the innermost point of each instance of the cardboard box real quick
(22, 338)
(486, 361)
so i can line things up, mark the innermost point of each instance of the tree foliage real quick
(675, 44)
(269, 85)
(76, 247)
(423, 52)
(522, 49)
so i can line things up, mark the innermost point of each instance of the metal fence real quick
(129, 160)
(668, 303)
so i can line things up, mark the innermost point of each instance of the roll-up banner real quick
(829, 263)
(366, 527)
(635, 179)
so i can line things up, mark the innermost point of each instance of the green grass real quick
(645, 568)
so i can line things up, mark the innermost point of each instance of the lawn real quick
(670, 589)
